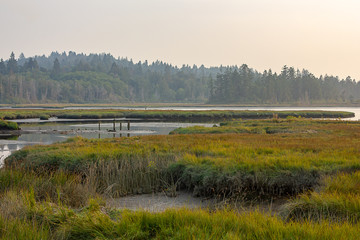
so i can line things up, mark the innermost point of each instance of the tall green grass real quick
(22, 230)
(50, 221)
(338, 200)
(27, 218)
(70, 189)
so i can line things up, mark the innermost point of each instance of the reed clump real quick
(338, 200)
(53, 186)
(131, 175)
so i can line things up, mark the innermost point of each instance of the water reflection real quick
(6, 150)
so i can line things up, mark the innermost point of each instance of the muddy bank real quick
(158, 202)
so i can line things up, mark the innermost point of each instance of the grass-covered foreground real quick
(27, 219)
(45, 191)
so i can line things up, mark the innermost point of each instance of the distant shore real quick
(148, 105)
(166, 115)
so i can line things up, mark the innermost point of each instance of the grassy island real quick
(167, 115)
(5, 125)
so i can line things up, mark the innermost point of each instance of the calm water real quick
(47, 132)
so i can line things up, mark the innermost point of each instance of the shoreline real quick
(147, 105)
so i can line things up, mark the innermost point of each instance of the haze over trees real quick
(101, 78)
(244, 85)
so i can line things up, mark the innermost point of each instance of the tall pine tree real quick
(56, 70)
(12, 64)
(2, 67)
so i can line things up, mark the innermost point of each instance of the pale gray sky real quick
(322, 36)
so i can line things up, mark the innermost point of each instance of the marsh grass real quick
(44, 220)
(19, 229)
(166, 114)
(337, 200)
(252, 166)
(214, 130)
(291, 125)
(56, 191)
(53, 186)
(131, 175)
(6, 125)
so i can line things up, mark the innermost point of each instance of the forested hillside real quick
(101, 78)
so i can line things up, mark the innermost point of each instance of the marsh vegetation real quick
(59, 190)
(6, 125)
(164, 115)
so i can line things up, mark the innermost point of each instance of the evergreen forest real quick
(101, 78)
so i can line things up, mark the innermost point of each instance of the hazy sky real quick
(322, 36)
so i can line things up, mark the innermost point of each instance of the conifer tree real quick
(2, 67)
(12, 64)
(56, 70)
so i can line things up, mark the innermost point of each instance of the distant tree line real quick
(101, 78)
(98, 78)
(244, 85)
